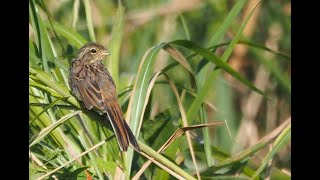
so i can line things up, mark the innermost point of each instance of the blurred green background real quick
(262, 55)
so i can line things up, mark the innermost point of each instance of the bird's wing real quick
(98, 90)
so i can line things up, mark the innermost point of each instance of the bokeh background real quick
(262, 55)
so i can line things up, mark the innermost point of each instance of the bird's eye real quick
(93, 50)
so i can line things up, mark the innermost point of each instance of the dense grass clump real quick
(204, 85)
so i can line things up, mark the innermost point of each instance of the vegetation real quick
(204, 85)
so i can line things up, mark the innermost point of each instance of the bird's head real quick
(92, 52)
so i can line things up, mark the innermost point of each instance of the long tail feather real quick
(132, 139)
(122, 131)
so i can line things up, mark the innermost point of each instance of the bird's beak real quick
(107, 53)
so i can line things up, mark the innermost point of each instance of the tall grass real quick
(183, 99)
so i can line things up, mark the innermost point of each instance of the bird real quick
(91, 83)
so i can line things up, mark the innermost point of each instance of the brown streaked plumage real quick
(92, 84)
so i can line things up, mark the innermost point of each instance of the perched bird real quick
(92, 84)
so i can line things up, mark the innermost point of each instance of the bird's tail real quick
(121, 129)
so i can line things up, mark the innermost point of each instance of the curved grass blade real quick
(47, 80)
(142, 90)
(250, 44)
(42, 87)
(73, 37)
(247, 43)
(259, 145)
(217, 61)
(139, 95)
(193, 109)
(262, 47)
(237, 37)
(217, 37)
(46, 108)
(164, 163)
(48, 129)
(44, 120)
(42, 37)
(184, 122)
(206, 102)
(281, 141)
(172, 138)
(151, 84)
(246, 154)
(178, 57)
(44, 7)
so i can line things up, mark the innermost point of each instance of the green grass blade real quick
(206, 137)
(115, 44)
(137, 100)
(174, 53)
(246, 154)
(33, 57)
(156, 157)
(276, 71)
(73, 159)
(75, 13)
(262, 47)
(48, 129)
(282, 140)
(89, 20)
(228, 161)
(46, 108)
(47, 80)
(73, 37)
(185, 27)
(43, 87)
(253, 45)
(237, 37)
(44, 44)
(218, 36)
(44, 120)
(217, 61)
(278, 174)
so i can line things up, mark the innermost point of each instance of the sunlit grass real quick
(164, 87)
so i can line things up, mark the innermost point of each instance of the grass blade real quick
(246, 154)
(139, 94)
(184, 122)
(75, 158)
(178, 57)
(46, 108)
(172, 138)
(48, 129)
(237, 37)
(185, 27)
(89, 20)
(217, 61)
(73, 37)
(43, 41)
(281, 141)
(115, 43)
(206, 137)
(218, 36)
(164, 163)
(47, 80)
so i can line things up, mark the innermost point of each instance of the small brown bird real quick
(92, 84)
